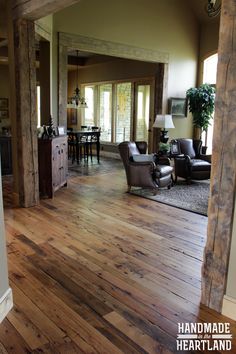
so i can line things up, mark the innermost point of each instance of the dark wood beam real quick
(223, 175)
(35, 9)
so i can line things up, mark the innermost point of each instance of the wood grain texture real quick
(62, 85)
(34, 9)
(26, 118)
(223, 173)
(97, 270)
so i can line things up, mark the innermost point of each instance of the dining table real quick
(87, 137)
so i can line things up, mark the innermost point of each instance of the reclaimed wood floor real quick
(97, 270)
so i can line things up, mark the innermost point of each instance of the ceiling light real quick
(77, 101)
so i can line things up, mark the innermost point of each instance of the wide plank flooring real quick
(97, 270)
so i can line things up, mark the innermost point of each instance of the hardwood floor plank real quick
(12, 340)
(98, 270)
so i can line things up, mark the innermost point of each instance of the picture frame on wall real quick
(178, 107)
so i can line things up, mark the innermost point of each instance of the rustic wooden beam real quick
(44, 78)
(62, 85)
(34, 9)
(223, 175)
(160, 100)
(23, 111)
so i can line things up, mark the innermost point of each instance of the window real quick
(105, 111)
(123, 112)
(89, 112)
(143, 108)
(209, 77)
(110, 107)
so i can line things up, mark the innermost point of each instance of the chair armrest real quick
(141, 174)
(145, 164)
(205, 157)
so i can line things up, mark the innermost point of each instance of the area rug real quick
(192, 197)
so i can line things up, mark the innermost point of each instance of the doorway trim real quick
(98, 46)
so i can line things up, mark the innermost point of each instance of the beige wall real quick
(4, 91)
(209, 39)
(166, 26)
(117, 69)
(46, 24)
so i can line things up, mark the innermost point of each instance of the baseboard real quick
(229, 307)
(6, 304)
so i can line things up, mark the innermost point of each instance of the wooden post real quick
(62, 89)
(23, 111)
(160, 100)
(223, 175)
(44, 78)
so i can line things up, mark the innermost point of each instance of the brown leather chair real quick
(144, 170)
(190, 163)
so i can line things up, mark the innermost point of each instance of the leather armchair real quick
(190, 163)
(148, 172)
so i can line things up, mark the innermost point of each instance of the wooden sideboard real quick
(53, 165)
(6, 155)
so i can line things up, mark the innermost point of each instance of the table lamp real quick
(164, 121)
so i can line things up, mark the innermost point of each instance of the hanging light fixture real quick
(213, 8)
(77, 101)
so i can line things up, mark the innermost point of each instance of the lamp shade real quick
(163, 121)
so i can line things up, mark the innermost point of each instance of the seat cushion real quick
(200, 165)
(163, 170)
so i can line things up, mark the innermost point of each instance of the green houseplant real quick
(201, 102)
(164, 148)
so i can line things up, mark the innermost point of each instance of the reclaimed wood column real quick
(62, 83)
(160, 101)
(223, 175)
(44, 79)
(23, 114)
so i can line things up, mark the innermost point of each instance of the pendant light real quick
(77, 101)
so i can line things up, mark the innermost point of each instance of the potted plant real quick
(201, 102)
(164, 148)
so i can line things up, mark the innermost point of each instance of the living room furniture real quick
(53, 165)
(146, 171)
(189, 161)
(6, 155)
(85, 138)
(164, 121)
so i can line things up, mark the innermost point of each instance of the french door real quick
(123, 110)
(142, 112)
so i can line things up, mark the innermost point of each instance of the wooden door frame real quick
(72, 41)
(151, 83)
